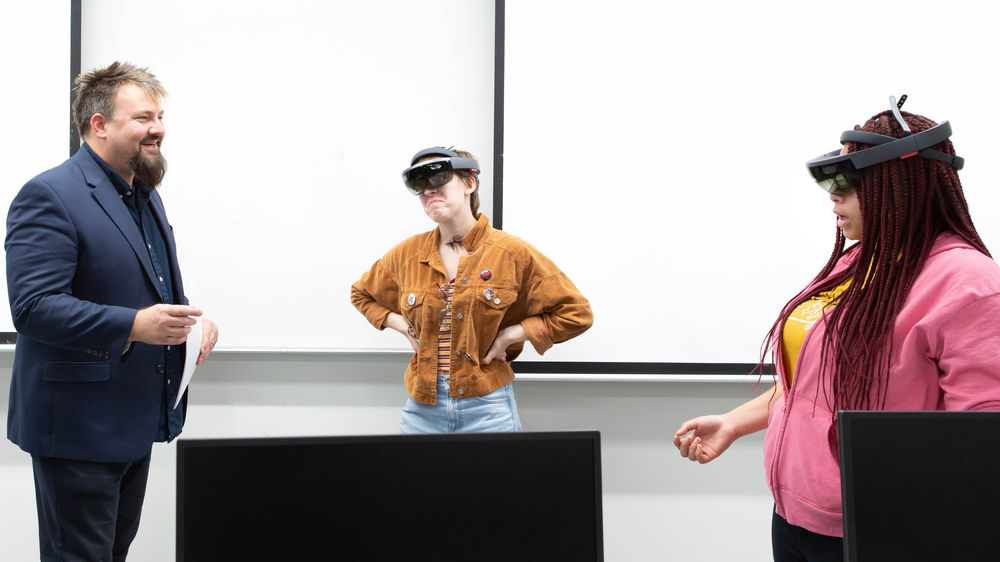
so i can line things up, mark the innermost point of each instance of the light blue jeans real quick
(492, 412)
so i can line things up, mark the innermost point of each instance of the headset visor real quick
(434, 173)
(836, 175)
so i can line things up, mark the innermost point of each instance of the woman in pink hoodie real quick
(905, 319)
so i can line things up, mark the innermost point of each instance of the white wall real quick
(657, 506)
(40, 113)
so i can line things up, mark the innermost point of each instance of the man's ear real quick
(99, 126)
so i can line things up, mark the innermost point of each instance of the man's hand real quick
(209, 337)
(163, 324)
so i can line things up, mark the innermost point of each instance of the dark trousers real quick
(790, 543)
(88, 510)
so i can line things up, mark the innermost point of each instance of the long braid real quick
(905, 204)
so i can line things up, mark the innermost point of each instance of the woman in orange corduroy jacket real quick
(466, 297)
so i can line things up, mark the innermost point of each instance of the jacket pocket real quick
(491, 309)
(410, 304)
(76, 372)
(498, 299)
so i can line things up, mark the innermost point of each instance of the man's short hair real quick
(95, 90)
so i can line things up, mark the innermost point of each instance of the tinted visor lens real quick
(427, 176)
(837, 178)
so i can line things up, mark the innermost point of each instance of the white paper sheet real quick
(191, 357)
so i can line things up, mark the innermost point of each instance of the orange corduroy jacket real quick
(502, 281)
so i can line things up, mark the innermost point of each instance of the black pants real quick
(88, 510)
(795, 544)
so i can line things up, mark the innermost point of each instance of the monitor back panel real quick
(920, 485)
(514, 496)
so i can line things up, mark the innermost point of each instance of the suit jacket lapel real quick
(107, 197)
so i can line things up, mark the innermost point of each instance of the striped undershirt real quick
(444, 332)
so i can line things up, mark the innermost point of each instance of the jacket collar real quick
(475, 236)
(92, 172)
(471, 241)
(107, 196)
(948, 241)
(944, 242)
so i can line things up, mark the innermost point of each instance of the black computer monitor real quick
(920, 485)
(483, 497)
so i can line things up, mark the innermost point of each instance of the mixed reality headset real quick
(837, 173)
(435, 172)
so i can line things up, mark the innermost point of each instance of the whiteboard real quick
(288, 124)
(656, 150)
(35, 40)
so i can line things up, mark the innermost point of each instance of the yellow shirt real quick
(801, 320)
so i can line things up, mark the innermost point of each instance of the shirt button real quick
(148, 246)
(168, 381)
(459, 316)
(161, 280)
(159, 369)
(465, 280)
(461, 391)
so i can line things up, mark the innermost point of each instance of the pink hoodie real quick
(946, 356)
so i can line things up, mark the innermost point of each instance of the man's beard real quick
(148, 169)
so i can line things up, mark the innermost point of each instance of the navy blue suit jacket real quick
(77, 271)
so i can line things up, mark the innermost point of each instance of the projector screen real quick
(656, 151)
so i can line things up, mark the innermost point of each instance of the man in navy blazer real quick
(99, 306)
